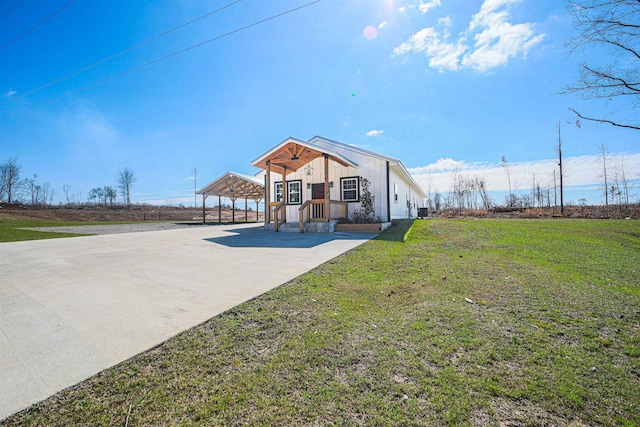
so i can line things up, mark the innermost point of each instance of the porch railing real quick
(314, 210)
(278, 208)
(306, 207)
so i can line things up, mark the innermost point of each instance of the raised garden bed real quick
(362, 228)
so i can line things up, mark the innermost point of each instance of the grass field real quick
(468, 322)
(10, 229)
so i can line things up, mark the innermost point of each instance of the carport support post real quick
(245, 210)
(233, 209)
(219, 210)
(204, 209)
(257, 210)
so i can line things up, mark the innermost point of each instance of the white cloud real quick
(425, 7)
(402, 9)
(496, 40)
(443, 55)
(445, 21)
(10, 93)
(382, 25)
(374, 132)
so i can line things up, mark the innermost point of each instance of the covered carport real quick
(233, 186)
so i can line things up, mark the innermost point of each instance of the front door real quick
(317, 191)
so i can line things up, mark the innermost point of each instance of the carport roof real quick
(236, 186)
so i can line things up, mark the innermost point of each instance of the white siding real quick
(408, 200)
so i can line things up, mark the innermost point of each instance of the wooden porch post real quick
(257, 210)
(284, 193)
(267, 195)
(326, 186)
(245, 210)
(204, 209)
(219, 210)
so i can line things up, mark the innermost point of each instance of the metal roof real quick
(236, 186)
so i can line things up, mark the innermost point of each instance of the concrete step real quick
(289, 227)
(311, 227)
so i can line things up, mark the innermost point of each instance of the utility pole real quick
(560, 164)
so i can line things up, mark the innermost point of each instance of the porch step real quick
(289, 227)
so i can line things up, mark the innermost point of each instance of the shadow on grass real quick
(398, 232)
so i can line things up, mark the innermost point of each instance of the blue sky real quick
(439, 84)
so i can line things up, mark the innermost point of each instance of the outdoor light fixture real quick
(308, 185)
(330, 184)
(308, 169)
(295, 157)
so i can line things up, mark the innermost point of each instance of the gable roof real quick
(234, 185)
(292, 154)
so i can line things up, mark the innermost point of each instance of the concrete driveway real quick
(70, 308)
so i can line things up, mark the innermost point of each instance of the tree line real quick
(15, 189)
(471, 192)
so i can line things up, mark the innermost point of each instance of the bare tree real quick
(110, 194)
(65, 189)
(625, 183)
(125, 179)
(456, 191)
(437, 198)
(33, 189)
(615, 26)
(10, 179)
(429, 200)
(46, 194)
(96, 195)
(505, 165)
(603, 152)
(481, 186)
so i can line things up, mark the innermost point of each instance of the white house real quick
(319, 180)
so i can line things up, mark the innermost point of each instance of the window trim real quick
(349, 178)
(299, 202)
(277, 184)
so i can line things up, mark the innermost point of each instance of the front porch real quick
(287, 202)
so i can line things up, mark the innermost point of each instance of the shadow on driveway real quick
(258, 237)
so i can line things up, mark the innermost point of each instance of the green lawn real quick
(383, 336)
(10, 229)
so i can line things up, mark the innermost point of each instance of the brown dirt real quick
(119, 213)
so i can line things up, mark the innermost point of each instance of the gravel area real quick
(118, 228)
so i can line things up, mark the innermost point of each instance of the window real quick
(349, 189)
(278, 192)
(294, 190)
(395, 193)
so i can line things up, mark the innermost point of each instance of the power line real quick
(37, 25)
(155, 61)
(102, 61)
